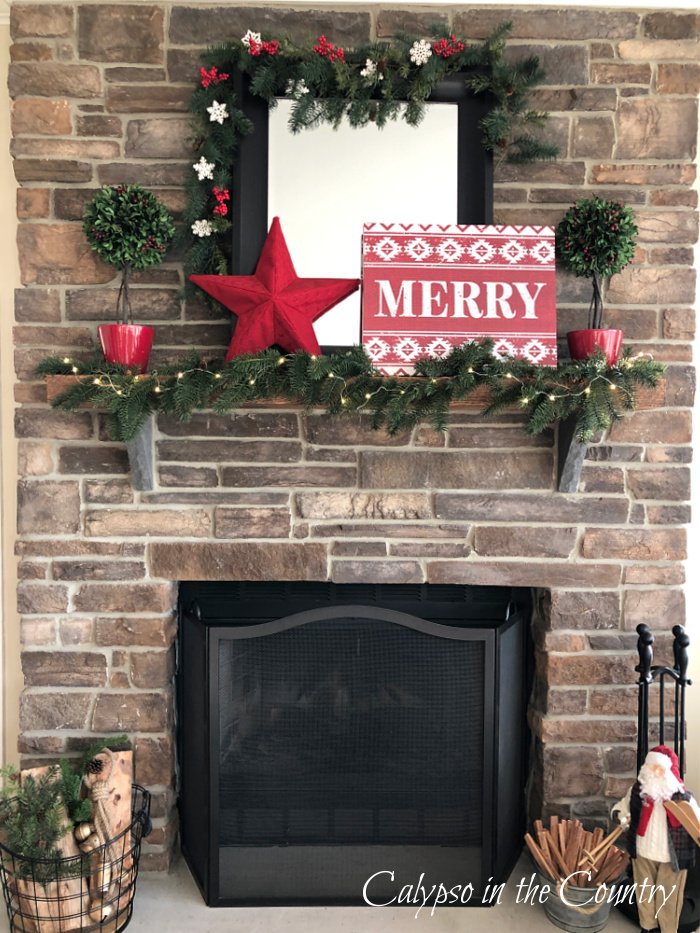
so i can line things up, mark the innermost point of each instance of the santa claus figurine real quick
(661, 847)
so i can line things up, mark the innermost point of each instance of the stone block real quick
(155, 632)
(523, 573)
(238, 424)
(565, 64)
(53, 711)
(668, 514)
(648, 606)
(51, 79)
(96, 460)
(668, 484)
(74, 631)
(154, 761)
(54, 338)
(35, 459)
(147, 98)
(593, 137)
(652, 286)
(32, 204)
(159, 138)
(151, 669)
(376, 571)
(349, 431)
(202, 25)
(295, 475)
(455, 470)
(51, 170)
(183, 65)
(131, 712)
(37, 631)
(31, 52)
(47, 507)
(635, 544)
(486, 438)
(229, 451)
(574, 98)
(654, 573)
(121, 33)
(64, 149)
(82, 570)
(589, 669)
(148, 174)
(668, 455)
(48, 21)
(517, 507)
(33, 116)
(161, 522)
(134, 597)
(519, 541)
(572, 771)
(655, 50)
(41, 422)
(653, 427)
(661, 128)
(617, 73)
(37, 304)
(234, 560)
(97, 304)
(595, 610)
(58, 254)
(668, 25)
(409, 23)
(197, 477)
(97, 124)
(424, 549)
(252, 523)
(667, 226)
(393, 506)
(358, 549)
(569, 23)
(605, 479)
(675, 78)
(64, 669)
(671, 173)
(566, 731)
(109, 491)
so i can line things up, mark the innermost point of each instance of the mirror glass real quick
(325, 183)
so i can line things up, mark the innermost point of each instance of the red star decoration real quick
(275, 306)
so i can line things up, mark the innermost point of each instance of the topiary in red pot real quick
(596, 238)
(130, 229)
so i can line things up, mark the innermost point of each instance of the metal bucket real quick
(574, 909)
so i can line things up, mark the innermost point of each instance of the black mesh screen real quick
(351, 731)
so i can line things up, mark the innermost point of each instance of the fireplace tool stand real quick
(671, 731)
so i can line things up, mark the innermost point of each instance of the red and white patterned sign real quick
(427, 288)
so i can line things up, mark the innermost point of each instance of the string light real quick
(180, 375)
(587, 390)
(509, 375)
(217, 375)
(97, 381)
(156, 389)
(251, 382)
(368, 395)
(281, 360)
(66, 359)
(552, 398)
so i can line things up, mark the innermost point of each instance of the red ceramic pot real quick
(582, 343)
(128, 344)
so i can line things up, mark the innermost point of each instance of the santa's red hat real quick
(671, 755)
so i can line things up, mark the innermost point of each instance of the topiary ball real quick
(596, 236)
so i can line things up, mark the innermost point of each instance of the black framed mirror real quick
(250, 178)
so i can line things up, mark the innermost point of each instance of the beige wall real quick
(9, 278)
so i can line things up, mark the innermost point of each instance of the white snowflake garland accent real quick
(204, 169)
(296, 89)
(420, 52)
(202, 228)
(249, 37)
(370, 71)
(217, 112)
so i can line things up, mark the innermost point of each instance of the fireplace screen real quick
(348, 739)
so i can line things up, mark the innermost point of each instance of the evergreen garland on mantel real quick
(595, 394)
(374, 83)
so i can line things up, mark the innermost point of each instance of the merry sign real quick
(427, 288)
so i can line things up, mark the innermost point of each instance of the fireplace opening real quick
(336, 742)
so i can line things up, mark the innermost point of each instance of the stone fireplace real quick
(100, 95)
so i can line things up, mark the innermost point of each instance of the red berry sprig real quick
(257, 48)
(446, 48)
(222, 196)
(327, 50)
(212, 76)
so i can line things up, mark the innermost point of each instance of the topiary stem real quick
(124, 313)
(595, 311)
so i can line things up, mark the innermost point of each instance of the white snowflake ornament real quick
(296, 89)
(370, 71)
(202, 228)
(217, 112)
(420, 52)
(204, 169)
(249, 37)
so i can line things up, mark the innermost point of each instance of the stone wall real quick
(100, 93)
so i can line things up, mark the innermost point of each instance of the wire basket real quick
(93, 891)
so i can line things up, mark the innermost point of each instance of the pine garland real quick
(373, 83)
(589, 390)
